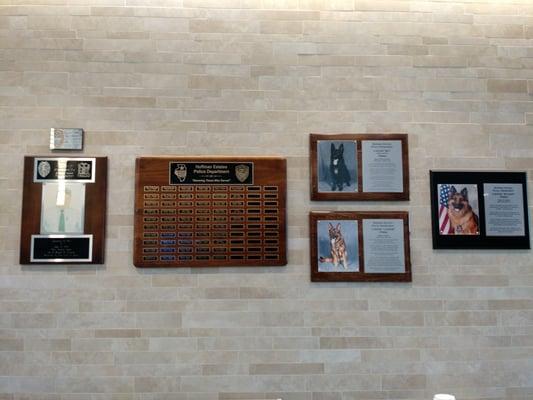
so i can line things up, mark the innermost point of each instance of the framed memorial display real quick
(479, 210)
(210, 211)
(359, 167)
(352, 246)
(63, 210)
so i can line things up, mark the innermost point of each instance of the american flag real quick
(444, 221)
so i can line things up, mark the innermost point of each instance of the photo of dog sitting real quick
(337, 246)
(337, 168)
(463, 219)
(338, 250)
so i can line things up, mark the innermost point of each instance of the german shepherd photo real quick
(337, 246)
(463, 218)
(337, 171)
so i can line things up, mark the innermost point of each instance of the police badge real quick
(84, 170)
(181, 172)
(44, 168)
(242, 172)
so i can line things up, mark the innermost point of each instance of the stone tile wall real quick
(146, 77)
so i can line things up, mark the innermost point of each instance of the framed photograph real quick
(350, 246)
(359, 167)
(63, 210)
(479, 210)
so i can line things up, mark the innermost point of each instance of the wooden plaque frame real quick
(361, 275)
(359, 194)
(210, 211)
(94, 219)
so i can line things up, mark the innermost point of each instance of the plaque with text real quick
(479, 210)
(359, 167)
(53, 169)
(352, 246)
(66, 139)
(63, 210)
(61, 248)
(210, 211)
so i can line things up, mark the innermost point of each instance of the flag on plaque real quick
(445, 227)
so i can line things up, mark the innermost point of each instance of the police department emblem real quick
(181, 172)
(44, 168)
(84, 170)
(242, 172)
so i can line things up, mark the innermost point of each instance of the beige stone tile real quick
(39, 344)
(11, 344)
(117, 333)
(344, 382)
(361, 342)
(94, 385)
(292, 343)
(157, 384)
(398, 382)
(286, 369)
(507, 86)
(461, 318)
(33, 320)
(158, 319)
(281, 27)
(238, 77)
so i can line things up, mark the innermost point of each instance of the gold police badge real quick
(242, 172)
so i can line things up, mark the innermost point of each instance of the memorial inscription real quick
(63, 210)
(210, 211)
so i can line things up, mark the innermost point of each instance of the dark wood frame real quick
(94, 220)
(481, 241)
(148, 171)
(359, 195)
(361, 275)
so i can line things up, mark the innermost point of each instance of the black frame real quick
(481, 241)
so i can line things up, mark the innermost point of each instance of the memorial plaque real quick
(61, 248)
(210, 211)
(479, 210)
(359, 167)
(351, 246)
(66, 139)
(63, 210)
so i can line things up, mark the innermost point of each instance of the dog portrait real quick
(337, 166)
(337, 246)
(458, 212)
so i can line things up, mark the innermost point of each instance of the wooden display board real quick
(210, 211)
(359, 246)
(359, 167)
(63, 210)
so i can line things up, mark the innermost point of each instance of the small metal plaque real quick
(66, 139)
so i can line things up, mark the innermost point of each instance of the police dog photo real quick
(337, 166)
(337, 247)
(458, 209)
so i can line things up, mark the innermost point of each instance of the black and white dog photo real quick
(337, 166)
